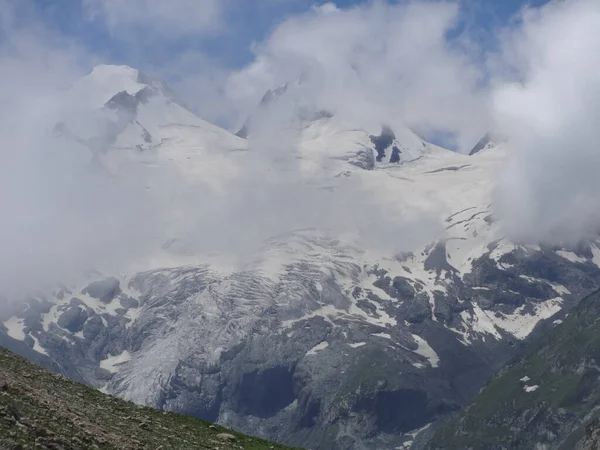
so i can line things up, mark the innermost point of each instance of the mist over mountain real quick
(317, 269)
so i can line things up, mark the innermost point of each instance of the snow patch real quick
(50, 317)
(596, 254)
(112, 363)
(559, 288)
(37, 347)
(425, 350)
(521, 324)
(501, 249)
(14, 328)
(357, 344)
(317, 348)
(382, 335)
(571, 256)
(326, 312)
(413, 434)
(132, 314)
(478, 321)
(530, 388)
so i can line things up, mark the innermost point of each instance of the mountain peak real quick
(489, 140)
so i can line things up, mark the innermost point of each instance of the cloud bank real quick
(59, 214)
(378, 62)
(550, 190)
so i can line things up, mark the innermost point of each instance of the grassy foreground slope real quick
(43, 410)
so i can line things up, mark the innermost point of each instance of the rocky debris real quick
(226, 437)
(8, 444)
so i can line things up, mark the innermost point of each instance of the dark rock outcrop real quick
(105, 290)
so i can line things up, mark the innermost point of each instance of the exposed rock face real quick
(387, 148)
(105, 290)
(484, 143)
(72, 319)
(383, 142)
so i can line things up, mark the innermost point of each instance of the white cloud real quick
(61, 214)
(165, 17)
(58, 214)
(389, 63)
(373, 63)
(379, 61)
(200, 81)
(551, 189)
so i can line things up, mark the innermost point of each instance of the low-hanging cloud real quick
(378, 62)
(59, 214)
(64, 213)
(375, 63)
(383, 62)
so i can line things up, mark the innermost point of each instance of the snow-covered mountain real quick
(129, 119)
(317, 340)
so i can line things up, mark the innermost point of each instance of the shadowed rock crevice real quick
(263, 393)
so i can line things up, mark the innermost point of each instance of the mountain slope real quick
(549, 397)
(591, 436)
(318, 339)
(44, 410)
(133, 127)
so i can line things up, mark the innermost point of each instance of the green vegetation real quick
(39, 409)
(544, 396)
